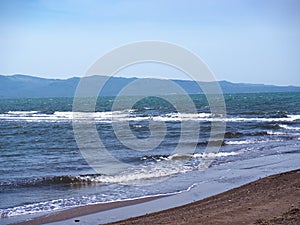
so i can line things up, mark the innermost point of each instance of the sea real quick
(43, 170)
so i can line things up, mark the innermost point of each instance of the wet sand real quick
(271, 200)
(82, 210)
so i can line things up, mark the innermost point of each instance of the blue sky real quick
(254, 41)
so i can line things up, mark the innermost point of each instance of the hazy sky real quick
(255, 41)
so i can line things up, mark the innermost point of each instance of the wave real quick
(44, 181)
(216, 155)
(277, 133)
(270, 131)
(245, 142)
(67, 203)
(130, 115)
(165, 165)
(129, 175)
(22, 112)
(136, 173)
(190, 156)
(288, 127)
(289, 118)
(232, 134)
(289, 134)
(273, 114)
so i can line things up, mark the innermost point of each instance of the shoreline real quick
(271, 200)
(84, 210)
(264, 201)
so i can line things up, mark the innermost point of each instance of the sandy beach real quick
(271, 200)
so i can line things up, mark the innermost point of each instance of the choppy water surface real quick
(42, 169)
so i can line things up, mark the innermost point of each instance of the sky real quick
(251, 41)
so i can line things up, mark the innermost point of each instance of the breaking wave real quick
(131, 115)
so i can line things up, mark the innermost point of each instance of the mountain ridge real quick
(27, 86)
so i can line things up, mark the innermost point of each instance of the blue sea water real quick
(42, 168)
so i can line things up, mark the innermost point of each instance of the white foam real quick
(277, 133)
(214, 155)
(128, 115)
(289, 127)
(295, 117)
(22, 112)
(210, 155)
(289, 118)
(245, 142)
(181, 117)
(36, 208)
(163, 167)
(60, 204)
(129, 177)
(283, 133)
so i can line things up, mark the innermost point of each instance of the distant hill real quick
(23, 86)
